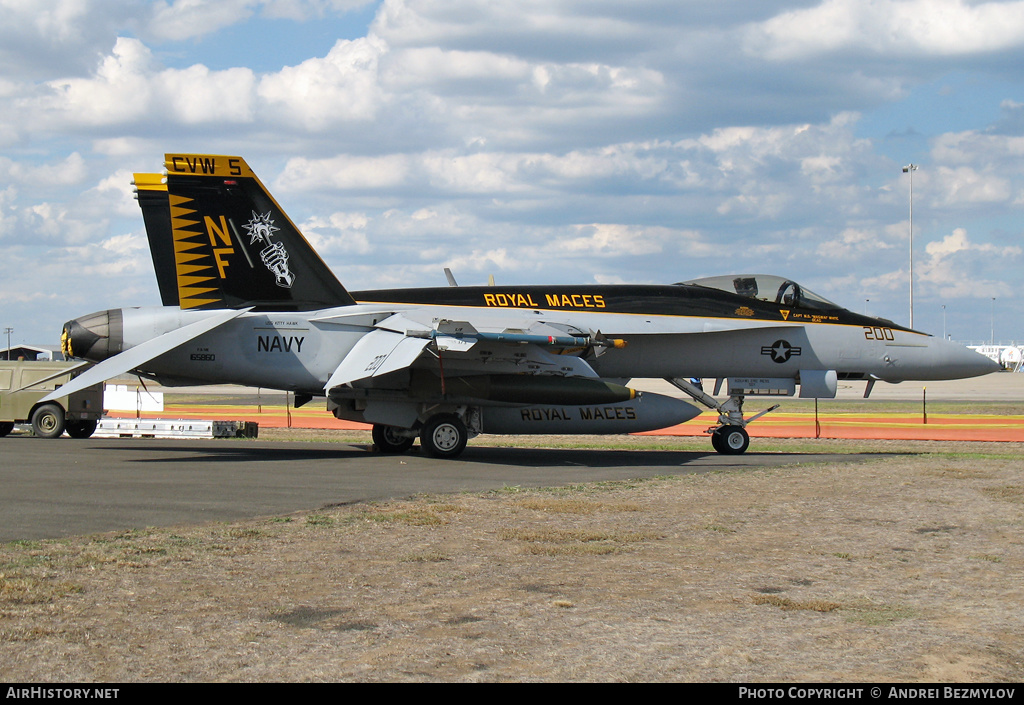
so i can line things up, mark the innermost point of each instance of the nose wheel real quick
(730, 440)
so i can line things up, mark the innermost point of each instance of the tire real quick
(716, 441)
(732, 440)
(6, 427)
(388, 441)
(48, 421)
(444, 436)
(80, 429)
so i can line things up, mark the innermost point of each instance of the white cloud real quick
(889, 282)
(319, 93)
(344, 172)
(956, 267)
(119, 92)
(965, 185)
(889, 27)
(419, 67)
(187, 19)
(339, 233)
(969, 147)
(129, 88)
(858, 242)
(621, 240)
(481, 261)
(118, 188)
(41, 37)
(69, 171)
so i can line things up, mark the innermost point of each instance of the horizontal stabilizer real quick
(141, 354)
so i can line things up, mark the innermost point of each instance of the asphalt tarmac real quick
(67, 487)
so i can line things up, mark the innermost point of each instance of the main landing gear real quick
(389, 439)
(730, 436)
(442, 436)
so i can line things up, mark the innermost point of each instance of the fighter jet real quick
(248, 301)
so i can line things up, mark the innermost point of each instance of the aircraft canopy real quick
(766, 287)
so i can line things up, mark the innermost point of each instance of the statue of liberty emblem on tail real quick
(273, 254)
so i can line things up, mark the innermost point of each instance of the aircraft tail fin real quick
(151, 193)
(220, 240)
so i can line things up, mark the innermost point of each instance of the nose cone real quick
(957, 362)
(927, 358)
(94, 337)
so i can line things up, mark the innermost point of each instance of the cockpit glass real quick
(766, 287)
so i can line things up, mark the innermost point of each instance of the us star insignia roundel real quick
(780, 351)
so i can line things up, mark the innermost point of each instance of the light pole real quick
(8, 331)
(992, 334)
(943, 321)
(910, 169)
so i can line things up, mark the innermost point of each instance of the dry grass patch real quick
(426, 512)
(33, 590)
(428, 557)
(560, 505)
(879, 614)
(960, 472)
(1007, 493)
(786, 603)
(574, 542)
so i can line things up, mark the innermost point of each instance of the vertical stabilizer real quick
(151, 192)
(231, 244)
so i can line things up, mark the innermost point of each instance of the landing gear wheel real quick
(730, 440)
(80, 429)
(48, 421)
(444, 436)
(387, 439)
(716, 440)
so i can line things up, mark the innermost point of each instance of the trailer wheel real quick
(80, 429)
(48, 421)
(6, 427)
(444, 436)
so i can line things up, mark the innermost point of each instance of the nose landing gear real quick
(730, 436)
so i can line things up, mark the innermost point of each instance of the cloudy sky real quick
(540, 141)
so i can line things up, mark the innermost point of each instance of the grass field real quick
(900, 565)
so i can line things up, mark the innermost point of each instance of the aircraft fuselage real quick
(298, 351)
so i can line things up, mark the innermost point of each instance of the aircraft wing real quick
(379, 352)
(503, 342)
(496, 344)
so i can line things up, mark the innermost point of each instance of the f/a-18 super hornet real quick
(247, 301)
